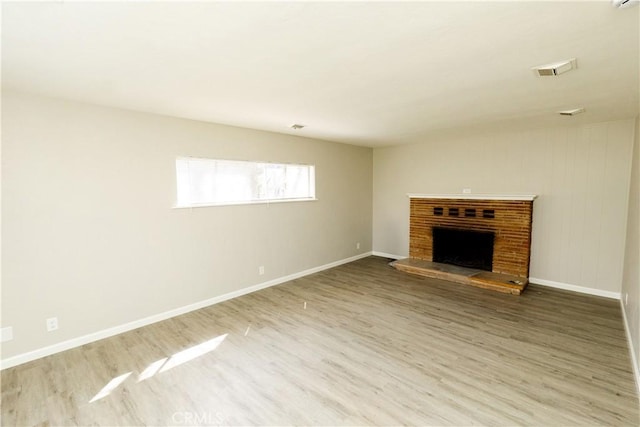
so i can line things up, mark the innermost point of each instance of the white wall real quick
(581, 175)
(89, 234)
(631, 281)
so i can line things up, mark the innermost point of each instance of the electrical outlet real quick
(261, 270)
(358, 245)
(466, 191)
(6, 334)
(52, 324)
(626, 298)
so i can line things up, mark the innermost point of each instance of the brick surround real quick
(510, 220)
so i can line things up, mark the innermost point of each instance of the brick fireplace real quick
(506, 220)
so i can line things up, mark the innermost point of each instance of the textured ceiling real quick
(366, 73)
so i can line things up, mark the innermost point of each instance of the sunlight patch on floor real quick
(152, 369)
(111, 385)
(193, 352)
(163, 365)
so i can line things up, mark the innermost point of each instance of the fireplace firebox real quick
(465, 248)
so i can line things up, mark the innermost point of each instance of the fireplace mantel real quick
(523, 197)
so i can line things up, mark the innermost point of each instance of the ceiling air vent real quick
(571, 112)
(556, 68)
(621, 4)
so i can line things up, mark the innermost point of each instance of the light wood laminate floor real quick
(360, 344)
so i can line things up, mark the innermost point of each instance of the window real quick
(206, 182)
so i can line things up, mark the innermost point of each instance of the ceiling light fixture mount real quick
(296, 126)
(556, 68)
(571, 112)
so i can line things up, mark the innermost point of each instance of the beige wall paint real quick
(631, 281)
(581, 175)
(89, 234)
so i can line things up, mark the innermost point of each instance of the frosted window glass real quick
(203, 182)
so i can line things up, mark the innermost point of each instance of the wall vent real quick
(488, 213)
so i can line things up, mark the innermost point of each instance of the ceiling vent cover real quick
(556, 68)
(571, 112)
(621, 4)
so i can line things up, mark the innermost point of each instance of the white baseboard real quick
(575, 288)
(634, 359)
(106, 333)
(386, 255)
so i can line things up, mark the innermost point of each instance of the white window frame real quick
(186, 189)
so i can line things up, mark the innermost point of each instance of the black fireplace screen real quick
(466, 248)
